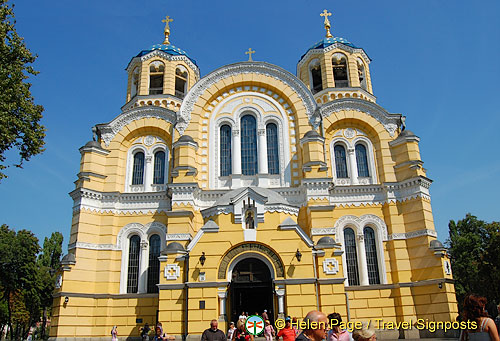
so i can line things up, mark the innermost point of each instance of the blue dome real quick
(325, 42)
(170, 49)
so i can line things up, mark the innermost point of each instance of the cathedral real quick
(250, 189)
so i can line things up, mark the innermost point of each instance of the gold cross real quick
(167, 20)
(249, 53)
(326, 14)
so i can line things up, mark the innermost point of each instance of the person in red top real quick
(287, 333)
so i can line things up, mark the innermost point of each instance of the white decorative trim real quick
(178, 236)
(184, 116)
(290, 224)
(109, 130)
(390, 121)
(412, 234)
(325, 231)
(92, 246)
(209, 227)
(282, 208)
(359, 223)
(172, 275)
(337, 45)
(330, 266)
(447, 267)
(162, 54)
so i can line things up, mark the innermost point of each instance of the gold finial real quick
(326, 14)
(167, 20)
(249, 53)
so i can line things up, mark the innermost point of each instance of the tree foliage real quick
(19, 115)
(27, 281)
(474, 247)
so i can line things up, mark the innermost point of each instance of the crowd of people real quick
(328, 327)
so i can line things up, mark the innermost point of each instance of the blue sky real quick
(434, 61)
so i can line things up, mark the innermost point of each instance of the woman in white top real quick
(474, 311)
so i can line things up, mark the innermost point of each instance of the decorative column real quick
(280, 292)
(352, 166)
(143, 268)
(263, 169)
(363, 267)
(236, 156)
(222, 293)
(148, 173)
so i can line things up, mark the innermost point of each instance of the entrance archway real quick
(251, 289)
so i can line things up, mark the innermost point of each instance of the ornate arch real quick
(266, 69)
(359, 223)
(235, 252)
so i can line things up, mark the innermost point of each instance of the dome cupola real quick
(335, 68)
(160, 75)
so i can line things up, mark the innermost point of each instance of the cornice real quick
(339, 46)
(164, 55)
(109, 130)
(260, 68)
(412, 234)
(391, 122)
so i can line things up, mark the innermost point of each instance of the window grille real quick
(351, 257)
(340, 161)
(159, 170)
(154, 263)
(225, 150)
(362, 160)
(273, 163)
(371, 256)
(133, 264)
(248, 145)
(138, 171)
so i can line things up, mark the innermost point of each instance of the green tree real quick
(474, 247)
(19, 115)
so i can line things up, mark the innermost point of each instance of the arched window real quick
(362, 160)
(273, 163)
(340, 161)
(316, 79)
(225, 150)
(135, 82)
(351, 256)
(181, 77)
(361, 74)
(154, 263)
(249, 145)
(340, 73)
(138, 170)
(133, 264)
(159, 170)
(156, 71)
(371, 256)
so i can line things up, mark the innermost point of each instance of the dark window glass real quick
(154, 263)
(273, 163)
(138, 171)
(362, 160)
(248, 145)
(180, 83)
(317, 82)
(371, 256)
(351, 257)
(133, 264)
(340, 72)
(159, 173)
(225, 150)
(155, 84)
(340, 161)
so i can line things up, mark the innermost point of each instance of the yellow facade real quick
(297, 191)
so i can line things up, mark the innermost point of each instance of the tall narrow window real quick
(317, 82)
(340, 161)
(340, 73)
(159, 170)
(135, 82)
(154, 263)
(248, 145)
(156, 71)
(361, 74)
(362, 160)
(371, 256)
(181, 76)
(138, 171)
(225, 150)
(351, 256)
(133, 264)
(273, 163)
